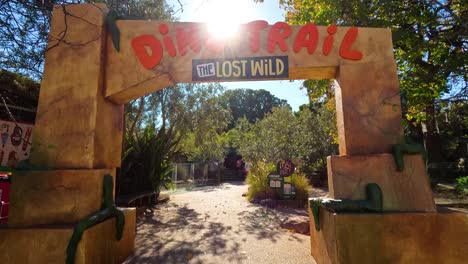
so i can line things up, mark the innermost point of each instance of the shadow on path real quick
(216, 224)
(264, 223)
(180, 235)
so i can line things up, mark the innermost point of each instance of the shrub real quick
(461, 185)
(257, 181)
(301, 183)
(260, 189)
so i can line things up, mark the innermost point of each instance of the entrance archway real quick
(92, 69)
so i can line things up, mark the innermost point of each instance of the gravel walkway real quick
(217, 225)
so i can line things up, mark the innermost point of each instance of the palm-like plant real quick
(145, 161)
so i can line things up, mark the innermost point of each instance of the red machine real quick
(4, 196)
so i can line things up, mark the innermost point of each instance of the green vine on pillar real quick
(407, 147)
(110, 21)
(108, 210)
(114, 31)
(372, 203)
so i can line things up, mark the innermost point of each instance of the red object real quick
(279, 32)
(345, 49)
(328, 42)
(307, 37)
(4, 197)
(285, 168)
(148, 60)
(254, 29)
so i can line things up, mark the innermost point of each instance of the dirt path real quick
(217, 225)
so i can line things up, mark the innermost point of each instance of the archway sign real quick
(91, 70)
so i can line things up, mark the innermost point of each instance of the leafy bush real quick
(461, 185)
(257, 181)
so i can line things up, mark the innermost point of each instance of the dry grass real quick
(260, 189)
(257, 181)
(302, 185)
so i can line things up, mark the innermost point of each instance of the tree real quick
(206, 139)
(18, 97)
(316, 136)
(251, 104)
(452, 123)
(185, 110)
(306, 137)
(24, 27)
(271, 138)
(184, 118)
(430, 40)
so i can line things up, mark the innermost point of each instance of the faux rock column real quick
(410, 230)
(369, 124)
(77, 140)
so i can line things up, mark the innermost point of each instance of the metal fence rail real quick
(188, 175)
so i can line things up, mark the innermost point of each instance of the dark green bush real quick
(145, 165)
(461, 185)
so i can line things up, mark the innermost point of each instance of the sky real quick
(243, 11)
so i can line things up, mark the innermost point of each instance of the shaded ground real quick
(445, 195)
(217, 225)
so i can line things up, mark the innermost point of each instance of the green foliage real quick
(257, 181)
(302, 185)
(25, 26)
(205, 138)
(259, 187)
(271, 138)
(317, 137)
(193, 111)
(19, 91)
(452, 122)
(184, 119)
(145, 163)
(430, 40)
(430, 44)
(250, 104)
(461, 185)
(307, 137)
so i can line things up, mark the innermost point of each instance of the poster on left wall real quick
(15, 142)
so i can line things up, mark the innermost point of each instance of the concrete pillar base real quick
(48, 244)
(397, 237)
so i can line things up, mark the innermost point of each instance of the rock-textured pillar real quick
(407, 190)
(368, 108)
(77, 141)
(75, 126)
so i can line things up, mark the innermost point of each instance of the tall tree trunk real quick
(432, 136)
(138, 116)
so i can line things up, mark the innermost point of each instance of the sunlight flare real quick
(223, 17)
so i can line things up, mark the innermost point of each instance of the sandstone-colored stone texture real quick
(408, 190)
(49, 244)
(127, 79)
(55, 197)
(390, 238)
(75, 126)
(368, 108)
(323, 243)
